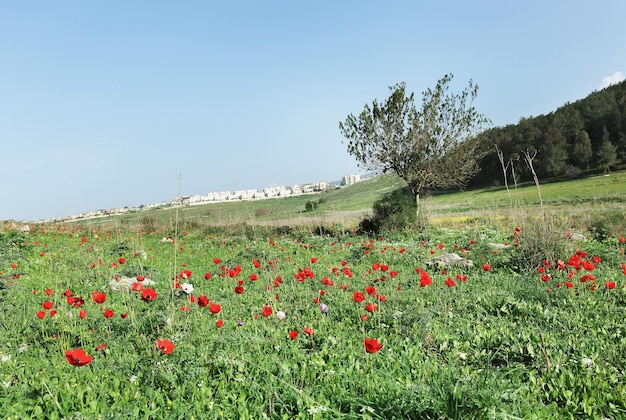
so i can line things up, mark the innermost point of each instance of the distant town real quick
(220, 197)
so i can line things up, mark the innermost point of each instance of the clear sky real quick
(104, 103)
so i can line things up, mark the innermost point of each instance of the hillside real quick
(576, 199)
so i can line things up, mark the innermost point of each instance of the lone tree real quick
(433, 147)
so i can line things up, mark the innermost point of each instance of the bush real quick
(394, 211)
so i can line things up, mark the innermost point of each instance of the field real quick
(159, 315)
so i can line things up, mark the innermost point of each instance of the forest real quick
(580, 138)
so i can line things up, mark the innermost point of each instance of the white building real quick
(350, 179)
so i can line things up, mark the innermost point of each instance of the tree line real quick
(586, 136)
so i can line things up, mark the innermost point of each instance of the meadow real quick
(174, 316)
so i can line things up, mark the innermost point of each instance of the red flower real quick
(202, 301)
(293, 334)
(101, 347)
(370, 307)
(308, 331)
(450, 282)
(219, 323)
(216, 260)
(239, 289)
(370, 290)
(358, 297)
(610, 285)
(78, 357)
(47, 304)
(425, 279)
(313, 260)
(256, 263)
(109, 313)
(82, 314)
(98, 297)
(137, 287)
(372, 345)
(165, 346)
(148, 294)
(253, 277)
(215, 308)
(41, 314)
(207, 276)
(569, 285)
(267, 310)
(487, 267)
(75, 301)
(121, 260)
(140, 278)
(48, 292)
(186, 274)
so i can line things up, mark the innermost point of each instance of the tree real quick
(581, 151)
(607, 153)
(433, 147)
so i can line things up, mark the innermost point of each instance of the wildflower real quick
(98, 297)
(267, 310)
(425, 279)
(281, 315)
(358, 297)
(165, 345)
(219, 323)
(308, 331)
(207, 276)
(610, 285)
(450, 282)
(215, 308)
(372, 345)
(293, 334)
(187, 288)
(487, 267)
(370, 290)
(370, 307)
(239, 289)
(47, 304)
(148, 294)
(323, 307)
(108, 313)
(202, 301)
(78, 357)
(41, 314)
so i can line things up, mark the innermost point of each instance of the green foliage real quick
(575, 134)
(431, 147)
(394, 211)
(499, 344)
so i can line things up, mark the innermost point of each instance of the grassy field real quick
(580, 200)
(269, 323)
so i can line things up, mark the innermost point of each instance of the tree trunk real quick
(417, 206)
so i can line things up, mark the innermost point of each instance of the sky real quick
(107, 104)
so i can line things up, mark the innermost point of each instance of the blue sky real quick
(104, 103)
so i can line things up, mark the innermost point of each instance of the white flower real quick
(5, 357)
(133, 379)
(587, 362)
(187, 288)
(367, 408)
(6, 384)
(280, 315)
(462, 356)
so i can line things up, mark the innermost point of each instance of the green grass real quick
(348, 205)
(502, 344)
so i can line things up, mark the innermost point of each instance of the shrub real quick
(394, 211)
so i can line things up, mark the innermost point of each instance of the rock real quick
(448, 260)
(125, 284)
